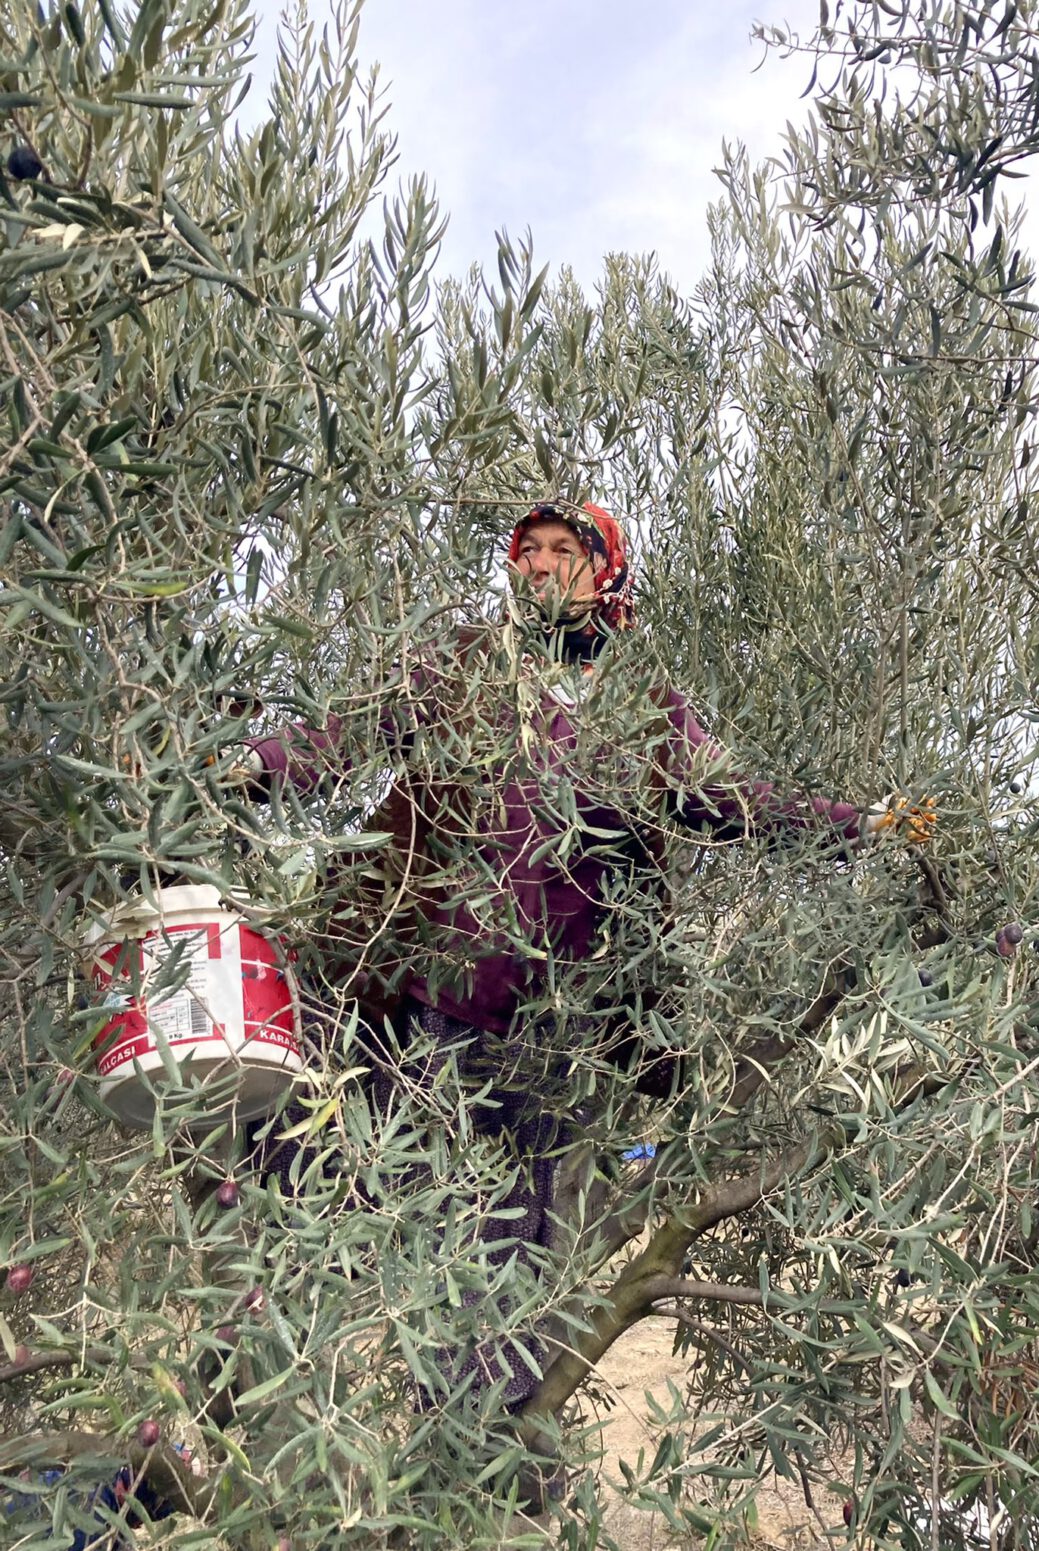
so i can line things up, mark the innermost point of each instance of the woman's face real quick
(552, 560)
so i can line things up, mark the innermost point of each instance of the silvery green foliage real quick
(258, 467)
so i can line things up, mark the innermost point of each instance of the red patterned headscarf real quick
(606, 547)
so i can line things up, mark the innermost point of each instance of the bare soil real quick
(642, 1361)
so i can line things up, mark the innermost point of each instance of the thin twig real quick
(707, 1333)
(806, 1487)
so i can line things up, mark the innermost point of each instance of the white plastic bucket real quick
(232, 1012)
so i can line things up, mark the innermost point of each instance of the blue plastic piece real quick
(643, 1150)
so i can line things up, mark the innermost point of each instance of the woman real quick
(536, 776)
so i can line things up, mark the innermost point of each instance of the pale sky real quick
(596, 123)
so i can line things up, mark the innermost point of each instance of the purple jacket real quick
(533, 882)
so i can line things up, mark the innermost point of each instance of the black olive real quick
(24, 163)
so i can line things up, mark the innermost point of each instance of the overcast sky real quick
(596, 123)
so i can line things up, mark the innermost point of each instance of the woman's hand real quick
(913, 821)
(246, 765)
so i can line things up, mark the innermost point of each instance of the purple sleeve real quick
(712, 794)
(305, 755)
(300, 754)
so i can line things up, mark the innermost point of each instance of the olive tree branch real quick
(653, 1274)
(94, 1356)
(717, 1292)
(753, 1069)
(631, 1297)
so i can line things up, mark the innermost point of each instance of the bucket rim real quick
(136, 916)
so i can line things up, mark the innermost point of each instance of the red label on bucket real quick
(126, 1035)
(266, 999)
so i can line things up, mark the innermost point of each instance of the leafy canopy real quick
(259, 462)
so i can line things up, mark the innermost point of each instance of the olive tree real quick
(260, 466)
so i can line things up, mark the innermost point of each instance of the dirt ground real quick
(642, 1361)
